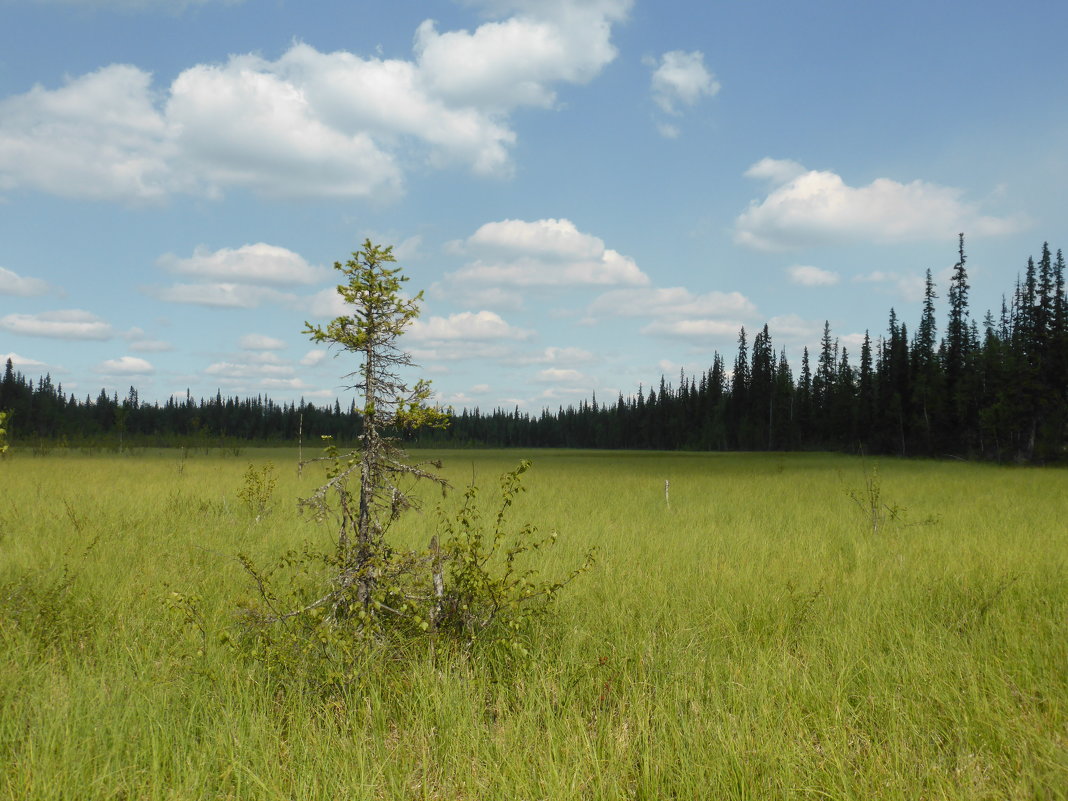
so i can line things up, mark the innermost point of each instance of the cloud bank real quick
(817, 207)
(543, 253)
(308, 124)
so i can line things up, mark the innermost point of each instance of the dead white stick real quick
(667, 492)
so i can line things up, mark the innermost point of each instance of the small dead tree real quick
(380, 315)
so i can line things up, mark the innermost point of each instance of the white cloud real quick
(407, 249)
(244, 369)
(313, 357)
(309, 123)
(328, 303)
(555, 355)
(514, 62)
(794, 328)
(777, 171)
(558, 393)
(682, 79)
(677, 312)
(671, 301)
(150, 346)
(471, 294)
(854, 342)
(806, 275)
(459, 350)
(909, 287)
(321, 394)
(284, 383)
(814, 207)
(253, 123)
(125, 365)
(546, 252)
(100, 137)
(223, 295)
(693, 329)
(260, 342)
(259, 263)
(20, 361)
(557, 375)
(65, 324)
(11, 283)
(467, 327)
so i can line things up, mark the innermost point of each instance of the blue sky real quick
(590, 193)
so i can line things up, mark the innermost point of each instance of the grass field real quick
(753, 640)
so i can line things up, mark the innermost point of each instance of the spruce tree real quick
(958, 347)
(926, 371)
(379, 315)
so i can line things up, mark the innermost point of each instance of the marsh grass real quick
(754, 640)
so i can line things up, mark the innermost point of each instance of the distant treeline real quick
(43, 412)
(997, 392)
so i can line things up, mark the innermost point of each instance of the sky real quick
(589, 193)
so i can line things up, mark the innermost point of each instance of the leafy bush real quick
(471, 586)
(258, 490)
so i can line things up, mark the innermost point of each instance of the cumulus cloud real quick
(777, 171)
(125, 365)
(64, 324)
(20, 361)
(794, 328)
(240, 275)
(482, 335)
(11, 283)
(100, 137)
(459, 350)
(259, 263)
(681, 79)
(671, 301)
(559, 375)
(677, 312)
(815, 207)
(467, 327)
(223, 295)
(693, 329)
(546, 252)
(150, 345)
(308, 123)
(516, 61)
(248, 369)
(313, 357)
(907, 286)
(260, 342)
(806, 275)
(328, 303)
(561, 356)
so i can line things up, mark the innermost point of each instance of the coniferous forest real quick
(995, 389)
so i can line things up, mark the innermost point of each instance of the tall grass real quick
(754, 640)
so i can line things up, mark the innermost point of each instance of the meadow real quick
(749, 637)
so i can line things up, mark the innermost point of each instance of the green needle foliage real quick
(372, 333)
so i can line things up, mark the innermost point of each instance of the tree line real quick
(43, 412)
(998, 390)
